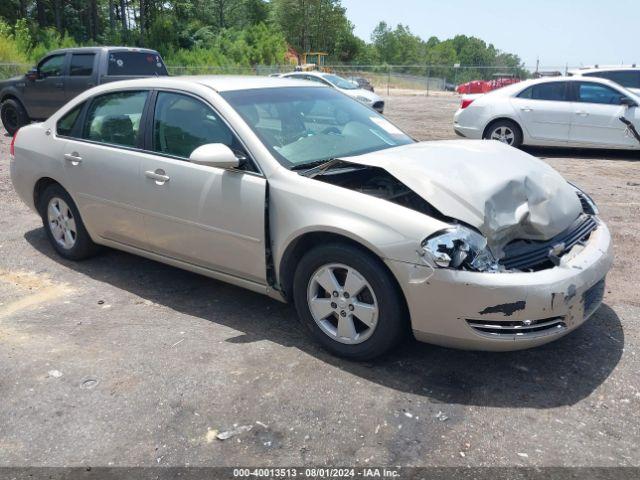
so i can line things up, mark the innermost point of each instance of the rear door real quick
(82, 70)
(545, 111)
(102, 165)
(211, 217)
(44, 95)
(596, 118)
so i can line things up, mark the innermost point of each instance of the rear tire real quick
(504, 131)
(13, 115)
(366, 299)
(64, 226)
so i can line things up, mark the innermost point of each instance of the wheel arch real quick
(499, 119)
(304, 242)
(10, 94)
(40, 186)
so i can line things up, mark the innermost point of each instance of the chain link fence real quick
(386, 79)
(8, 70)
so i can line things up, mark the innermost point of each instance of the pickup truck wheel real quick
(63, 225)
(13, 115)
(349, 302)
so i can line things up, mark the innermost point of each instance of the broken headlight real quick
(460, 248)
(588, 205)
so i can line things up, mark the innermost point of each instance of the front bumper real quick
(445, 305)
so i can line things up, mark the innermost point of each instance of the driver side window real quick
(182, 123)
(596, 93)
(51, 67)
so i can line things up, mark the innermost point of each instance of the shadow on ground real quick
(557, 374)
(588, 153)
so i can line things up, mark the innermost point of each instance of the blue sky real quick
(580, 32)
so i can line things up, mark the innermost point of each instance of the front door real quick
(207, 216)
(596, 117)
(44, 95)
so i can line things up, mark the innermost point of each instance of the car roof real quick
(98, 49)
(219, 83)
(537, 81)
(313, 73)
(582, 71)
(520, 86)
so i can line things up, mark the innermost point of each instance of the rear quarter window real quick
(66, 125)
(135, 63)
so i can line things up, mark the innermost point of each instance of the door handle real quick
(527, 109)
(582, 113)
(73, 158)
(60, 85)
(159, 176)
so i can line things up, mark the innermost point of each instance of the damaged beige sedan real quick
(301, 193)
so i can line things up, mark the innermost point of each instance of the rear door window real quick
(66, 124)
(552, 91)
(81, 64)
(135, 63)
(114, 118)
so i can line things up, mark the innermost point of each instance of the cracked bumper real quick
(442, 302)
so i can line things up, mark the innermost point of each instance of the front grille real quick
(586, 205)
(518, 329)
(534, 255)
(592, 298)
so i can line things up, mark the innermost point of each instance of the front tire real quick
(349, 302)
(64, 226)
(13, 115)
(504, 131)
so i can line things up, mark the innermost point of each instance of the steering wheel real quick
(331, 131)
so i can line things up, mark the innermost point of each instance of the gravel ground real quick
(124, 361)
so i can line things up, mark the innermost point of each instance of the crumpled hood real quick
(503, 192)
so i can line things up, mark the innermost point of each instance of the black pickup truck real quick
(65, 73)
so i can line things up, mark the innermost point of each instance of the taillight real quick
(466, 102)
(12, 147)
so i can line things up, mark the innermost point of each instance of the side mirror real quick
(628, 102)
(214, 155)
(32, 74)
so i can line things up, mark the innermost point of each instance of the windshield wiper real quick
(314, 169)
(309, 165)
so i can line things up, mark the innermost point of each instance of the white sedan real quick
(566, 111)
(343, 85)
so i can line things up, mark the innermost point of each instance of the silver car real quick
(301, 193)
(352, 89)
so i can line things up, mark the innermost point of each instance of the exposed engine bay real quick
(379, 183)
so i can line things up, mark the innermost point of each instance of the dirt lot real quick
(124, 361)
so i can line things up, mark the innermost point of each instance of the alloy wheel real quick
(503, 134)
(61, 223)
(342, 303)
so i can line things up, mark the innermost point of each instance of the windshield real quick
(306, 125)
(340, 82)
(135, 63)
